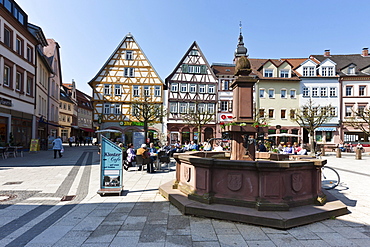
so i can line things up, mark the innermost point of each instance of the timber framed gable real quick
(127, 77)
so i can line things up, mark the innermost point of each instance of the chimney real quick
(327, 53)
(365, 52)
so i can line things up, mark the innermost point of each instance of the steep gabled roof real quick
(344, 61)
(129, 35)
(184, 57)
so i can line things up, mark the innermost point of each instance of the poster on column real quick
(111, 166)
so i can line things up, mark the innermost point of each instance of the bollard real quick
(358, 154)
(323, 151)
(339, 153)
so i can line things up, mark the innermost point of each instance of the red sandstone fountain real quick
(280, 194)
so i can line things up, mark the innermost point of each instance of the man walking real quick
(57, 147)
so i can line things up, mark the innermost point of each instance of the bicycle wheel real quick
(329, 178)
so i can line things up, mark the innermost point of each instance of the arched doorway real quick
(208, 134)
(185, 135)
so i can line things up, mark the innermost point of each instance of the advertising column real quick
(111, 168)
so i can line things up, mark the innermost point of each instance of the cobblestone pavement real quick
(32, 212)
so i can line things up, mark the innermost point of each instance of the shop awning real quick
(41, 120)
(87, 129)
(326, 129)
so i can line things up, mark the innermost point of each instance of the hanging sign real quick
(111, 167)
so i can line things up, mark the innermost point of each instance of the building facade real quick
(192, 90)
(126, 78)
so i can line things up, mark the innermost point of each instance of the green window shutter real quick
(203, 69)
(185, 68)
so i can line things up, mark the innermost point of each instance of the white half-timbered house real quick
(127, 77)
(192, 86)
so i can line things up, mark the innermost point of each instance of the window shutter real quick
(185, 68)
(203, 69)
(230, 106)
(219, 105)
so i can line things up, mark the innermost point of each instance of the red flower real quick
(222, 123)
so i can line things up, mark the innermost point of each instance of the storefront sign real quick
(111, 165)
(6, 102)
(122, 123)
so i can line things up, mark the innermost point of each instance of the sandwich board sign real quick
(110, 168)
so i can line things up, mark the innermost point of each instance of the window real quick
(129, 55)
(29, 86)
(183, 107)
(271, 113)
(19, 46)
(174, 87)
(106, 109)
(283, 114)
(309, 71)
(69, 107)
(184, 87)
(211, 89)
(327, 71)
(351, 71)
(146, 90)
(129, 72)
(333, 92)
(223, 106)
(173, 107)
(323, 92)
(225, 85)
(262, 93)
(361, 90)
(106, 89)
(157, 91)
(117, 109)
(360, 110)
(194, 69)
(202, 88)
(18, 81)
(284, 73)
(271, 93)
(117, 90)
(292, 114)
(315, 110)
(193, 88)
(283, 93)
(7, 75)
(292, 94)
(268, 73)
(349, 90)
(29, 54)
(194, 53)
(348, 111)
(211, 108)
(306, 92)
(315, 91)
(333, 112)
(136, 91)
(201, 108)
(262, 113)
(8, 37)
(192, 107)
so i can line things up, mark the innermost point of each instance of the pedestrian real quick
(57, 147)
(153, 157)
(70, 141)
(131, 154)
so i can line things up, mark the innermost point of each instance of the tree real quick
(198, 116)
(148, 113)
(360, 119)
(310, 117)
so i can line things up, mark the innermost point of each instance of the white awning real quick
(326, 129)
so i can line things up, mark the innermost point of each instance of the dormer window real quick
(327, 71)
(284, 73)
(309, 71)
(351, 70)
(268, 73)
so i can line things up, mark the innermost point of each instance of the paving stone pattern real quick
(36, 216)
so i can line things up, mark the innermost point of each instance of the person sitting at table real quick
(153, 157)
(288, 149)
(143, 152)
(131, 154)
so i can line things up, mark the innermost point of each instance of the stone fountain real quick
(280, 194)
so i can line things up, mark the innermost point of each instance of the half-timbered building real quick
(192, 87)
(126, 78)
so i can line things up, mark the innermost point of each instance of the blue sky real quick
(88, 31)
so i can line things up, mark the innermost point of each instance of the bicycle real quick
(329, 178)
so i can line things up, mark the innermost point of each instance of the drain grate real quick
(67, 198)
(12, 183)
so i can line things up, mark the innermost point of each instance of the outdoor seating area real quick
(11, 151)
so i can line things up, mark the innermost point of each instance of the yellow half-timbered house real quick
(127, 77)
